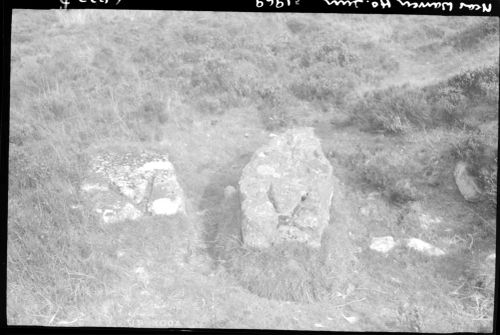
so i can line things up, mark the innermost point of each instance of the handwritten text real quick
(435, 5)
(486, 8)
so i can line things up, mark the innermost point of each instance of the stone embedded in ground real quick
(287, 189)
(165, 206)
(166, 197)
(466, 182)
(383, 244)
(424, 247)
(121, 213)
(125, 186)
(109, 205)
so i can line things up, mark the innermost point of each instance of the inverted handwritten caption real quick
(66, 3)
(276, 3)
(443, 5)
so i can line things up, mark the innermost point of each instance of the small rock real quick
(383, 244)
(492, 257)
(350, 319)
(424, 247)
(120, 185)
(466, 182)
(125, 212)
(92, 187)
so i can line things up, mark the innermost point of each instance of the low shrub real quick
(212, 76)
(478, 83)
(472, 36)
(489, 180)
(388, 173)
(394, 110)
(397, 110)
(332, 54)
(274, 110)
(150, 110)
(448, 105)
(324, 84)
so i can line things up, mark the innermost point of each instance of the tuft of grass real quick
(323, 83)
(274, 112)
(394, 110)
(477, 84)
(392, 174)
(448, 105)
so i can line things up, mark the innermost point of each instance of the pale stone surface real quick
(427, 220)
(166, 206)
(466, 183)
(287, 189)
(424, 247)
(383, 244)
(387, 243)
(167, 197)
(89, 187)
(126, 186)
(121, 213)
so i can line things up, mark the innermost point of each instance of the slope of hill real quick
(396, 100)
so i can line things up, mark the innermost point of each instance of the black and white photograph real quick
(252, 170)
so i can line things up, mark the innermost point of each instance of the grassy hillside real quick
(396, 101)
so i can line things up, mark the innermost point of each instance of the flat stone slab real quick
(127, 186)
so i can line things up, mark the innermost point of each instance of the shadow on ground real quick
(222, 216)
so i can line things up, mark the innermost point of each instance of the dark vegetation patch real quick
(398, 110)
(474, 35)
